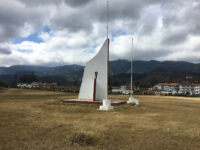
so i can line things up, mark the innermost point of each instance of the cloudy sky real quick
(59, 32)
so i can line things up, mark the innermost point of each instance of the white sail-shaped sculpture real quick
(97, 64)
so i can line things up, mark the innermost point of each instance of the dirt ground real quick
(37, 120)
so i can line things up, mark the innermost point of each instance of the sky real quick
(61, 32)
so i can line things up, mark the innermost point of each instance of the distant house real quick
(36, 84)
(23, 85)
(187, 77)
(154, 91)
(48, 86)
(122, 90)
(67, 88)
(177, 89)
(167, 88)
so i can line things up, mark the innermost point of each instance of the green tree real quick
(2, 84)
(14, 82)
(28, 78)
(154, 81)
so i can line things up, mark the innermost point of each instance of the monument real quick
(95, 77)
(132, 100)
(94, 86)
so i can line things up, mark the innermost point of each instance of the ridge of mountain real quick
(144, 71)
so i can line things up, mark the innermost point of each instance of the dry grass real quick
(35, 120)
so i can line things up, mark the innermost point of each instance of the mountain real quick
(145, 72)
(180, 66)
(39, 70)
(115, 67)
(123, 66)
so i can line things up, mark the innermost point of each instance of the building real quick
(23, 85)
(167, 88)
(36, 84)
(48, 86)
(177, 89)
(123, 90)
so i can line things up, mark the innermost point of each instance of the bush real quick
(81, 139)
(2, 84)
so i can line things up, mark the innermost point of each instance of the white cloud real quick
(163, 30)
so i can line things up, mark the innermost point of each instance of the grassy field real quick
(37, 120)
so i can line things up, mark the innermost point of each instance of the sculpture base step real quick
(106, 105)
(133, 101)
(90, 102)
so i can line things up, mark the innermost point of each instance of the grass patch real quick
(33, 119)
(27, 94)
(82, 139)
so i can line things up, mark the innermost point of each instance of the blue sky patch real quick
(118, 33)
(33, 37)
(90, 50)
(46, 29)
(25, 51)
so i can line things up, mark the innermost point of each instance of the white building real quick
(178, 89)
(24, 85)
(123, 90)
(196, 89)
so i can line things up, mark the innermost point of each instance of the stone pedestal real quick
(133, 101)
(106, 105)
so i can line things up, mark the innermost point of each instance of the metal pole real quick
(107, 50)
(107, 69)
(107, 17)
(132, 70)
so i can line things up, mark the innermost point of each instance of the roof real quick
(168, 84)
(115, 87)
(178, 84)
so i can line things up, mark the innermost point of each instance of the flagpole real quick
(108, 48)
(107, 17)
(132, 69)
(106, 105)
(131, 99)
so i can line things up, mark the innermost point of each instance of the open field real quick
(36, 120)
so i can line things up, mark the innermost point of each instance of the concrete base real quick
(106, 105)
(90, 102)
(133, 101)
